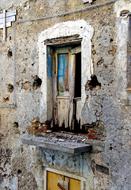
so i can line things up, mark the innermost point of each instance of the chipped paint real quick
(63, 111)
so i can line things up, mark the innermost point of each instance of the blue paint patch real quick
(62, 65)
(49, 66)
(62, 69)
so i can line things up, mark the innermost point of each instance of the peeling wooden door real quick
(66, 66)
(61, 182)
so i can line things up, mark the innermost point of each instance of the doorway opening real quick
(64, 77)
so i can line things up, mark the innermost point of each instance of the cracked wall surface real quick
(107, 108)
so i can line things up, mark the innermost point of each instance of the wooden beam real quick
(63, 40)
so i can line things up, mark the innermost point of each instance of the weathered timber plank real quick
(63, 40)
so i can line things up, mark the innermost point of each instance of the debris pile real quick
(37, 128)
(94, 131)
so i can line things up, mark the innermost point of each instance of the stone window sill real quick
(72, 144)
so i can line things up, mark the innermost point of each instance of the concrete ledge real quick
(56, 144)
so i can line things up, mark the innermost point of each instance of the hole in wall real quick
(10, 88)
(19, 171)
(94, 52)
(5, 175)
(37, 82)
(15, 124)
(110, 147)
(111, 40)
(93, 83)
(9, 53)
(6, 98)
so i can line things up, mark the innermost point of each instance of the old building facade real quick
(65, 65)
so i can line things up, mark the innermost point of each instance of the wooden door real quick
(61, 91)
(61, 182)
(66, 83)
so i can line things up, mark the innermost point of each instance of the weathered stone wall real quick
(107, 106)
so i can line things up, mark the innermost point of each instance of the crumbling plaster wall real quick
(21, 164)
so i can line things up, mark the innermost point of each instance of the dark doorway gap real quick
(77, 92)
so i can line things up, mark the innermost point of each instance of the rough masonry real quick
(106, 106)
